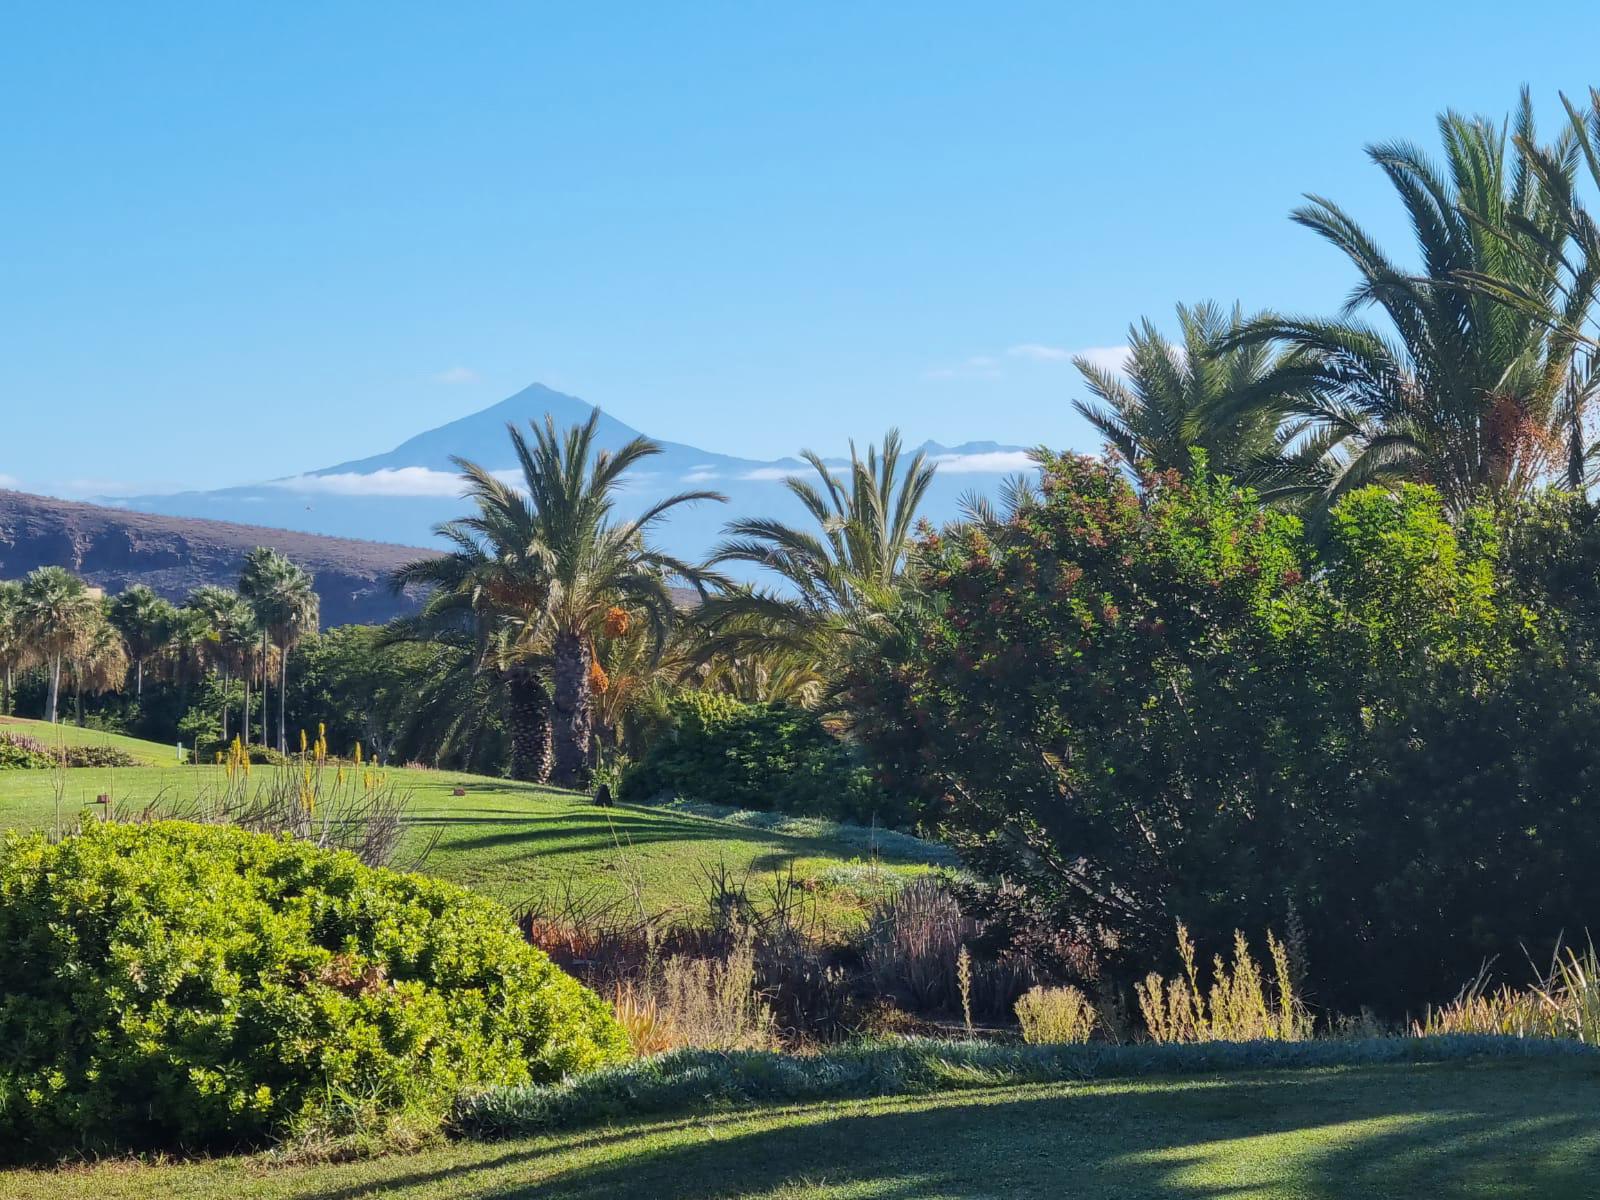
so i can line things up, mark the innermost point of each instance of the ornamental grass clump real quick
(1056, 1015)
(175, 987)
(1563, 1004)
(1243, 1005)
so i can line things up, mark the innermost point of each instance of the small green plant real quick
(1056, 1015)
(1242, 1005)
(713, 1002)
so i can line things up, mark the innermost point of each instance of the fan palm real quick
(99, 662)
(14, 647)
(549, 563)
(1458, 388)
(58, 615)
(1172, 399)
(145, 622)
(230, 639)
(284, 600)
(843, 572)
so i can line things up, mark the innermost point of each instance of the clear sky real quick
(246, 240)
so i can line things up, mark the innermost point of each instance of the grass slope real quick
(66, 734)
(1474, 1129)
(517, 842)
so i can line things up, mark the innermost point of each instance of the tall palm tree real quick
(58, 614)
(145, 622)
(230, 637)
(552, 561)
(14, 647)
(844, 570)
(99, 662)
(1173, 398)
(284, 600)
(477, 616)
(1457, 387)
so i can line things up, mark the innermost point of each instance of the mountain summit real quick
(400, 494)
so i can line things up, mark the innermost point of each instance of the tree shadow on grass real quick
(1365, 1132)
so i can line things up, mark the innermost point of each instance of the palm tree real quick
(284, 600)
(549, 562)
(845, 571)
(1175, 398)
(14, 646)
(145, 622)
(230, 637)
(99, 662)
(58, 613)
(1459, 388)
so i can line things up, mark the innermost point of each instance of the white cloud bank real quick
(10, 482)
(998, 462)
(456, 375)
(988, 366)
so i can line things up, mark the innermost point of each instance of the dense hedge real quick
(717, 750)
(21, 752)
(174, 986)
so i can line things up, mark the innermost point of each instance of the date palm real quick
(58, 615)
(551, 561)
(1455, 386)
(842, 570)
(1173, 398)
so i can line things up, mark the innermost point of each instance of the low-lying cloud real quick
(390, 481)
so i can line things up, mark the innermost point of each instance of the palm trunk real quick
(266, 674)
(569, 711)
(77, 699)
(529, 720)
(138, 680)
(5, 704)
(245, 716)
(55, 686)
(283, 691)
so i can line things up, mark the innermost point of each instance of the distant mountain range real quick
(115, 549)
(400, 495)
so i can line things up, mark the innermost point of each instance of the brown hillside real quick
(115, 549)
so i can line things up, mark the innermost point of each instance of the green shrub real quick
(717, 750)
(97, 756)
(18, 752)
(181, 987)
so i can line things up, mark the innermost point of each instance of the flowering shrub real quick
(174, 986)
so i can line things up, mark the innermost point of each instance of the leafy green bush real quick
(717, 750)
(173, 986)
(97, 756)
(18, 752)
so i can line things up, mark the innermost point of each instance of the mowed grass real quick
(515, 842)
(67, 734)
(1461, 1129)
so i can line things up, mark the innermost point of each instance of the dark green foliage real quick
(1161, 706)
(182, 987)
(718, 750)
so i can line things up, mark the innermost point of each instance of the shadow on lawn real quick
(1430, 1136)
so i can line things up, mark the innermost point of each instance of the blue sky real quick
(240, 241)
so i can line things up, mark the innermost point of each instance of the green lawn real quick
(1488, 1129)
(148, 753)
(514, 842)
